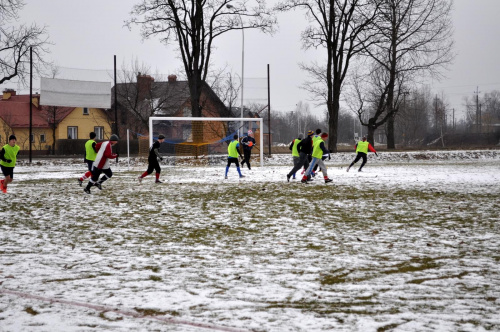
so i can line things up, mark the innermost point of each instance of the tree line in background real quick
(377, 56)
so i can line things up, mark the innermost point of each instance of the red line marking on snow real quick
(122, 312)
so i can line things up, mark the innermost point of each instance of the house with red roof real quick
(49, 123)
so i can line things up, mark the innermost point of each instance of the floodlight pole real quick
(240, 131)
(116, 111)
(31, 100)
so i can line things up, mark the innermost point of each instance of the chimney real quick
(144, 83)
(36, 100)
(7, 93)
(172, 78)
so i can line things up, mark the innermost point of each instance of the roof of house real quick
(15, 111)
(172, 95)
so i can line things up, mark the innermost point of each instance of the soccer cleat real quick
(80, 182)
(158, 181)
(86, 190)
(328, 180)
(2, 187)
(359, 170)
(140, 179)
(288, 178)
(225, 177)
(98, 185)
(242, 176)
(348, 168)
(303, 181)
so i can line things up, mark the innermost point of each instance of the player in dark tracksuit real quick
(248, 142)
(154, 155)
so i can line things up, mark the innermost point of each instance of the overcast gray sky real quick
(86, 34)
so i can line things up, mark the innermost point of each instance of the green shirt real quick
(362, 147)
(232, 149)
(90, 153)
(317, 151)
(10, 153)
(295, 152)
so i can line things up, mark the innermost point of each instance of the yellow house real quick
(49, 124)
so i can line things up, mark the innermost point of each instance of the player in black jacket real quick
(248, 142)
(154, 155)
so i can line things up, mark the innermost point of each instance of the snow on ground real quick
(410, 244)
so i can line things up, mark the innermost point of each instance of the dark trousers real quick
(96, 172)
(153, 165)
(303, 161)
(358, 157)
(246, 157)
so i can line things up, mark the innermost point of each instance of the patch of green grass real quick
(31, 311)
(154, 278)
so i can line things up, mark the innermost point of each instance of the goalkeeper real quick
(153, 164)
(248, 142)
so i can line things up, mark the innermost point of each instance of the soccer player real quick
(248, 142)
(319, 150)
(101, 163)
(90, 154)
(295, 151)
(362, 148)
(305, 149)
(233, 151)
(8, 157)
(154, 155)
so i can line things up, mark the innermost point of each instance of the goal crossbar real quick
(178, 118)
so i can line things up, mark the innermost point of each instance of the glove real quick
(8, 161)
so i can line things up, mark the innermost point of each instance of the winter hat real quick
(161, 136)
(324, 135)
(310, 133)
(12, 137)
(114, 137)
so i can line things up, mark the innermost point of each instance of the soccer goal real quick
(199, 141)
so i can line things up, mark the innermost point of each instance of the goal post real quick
(203, 136)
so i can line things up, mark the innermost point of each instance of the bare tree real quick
(138, 96)
(194, 26)
(226, 86)
(414, 38)
(16, 41)
(343, 28)
(412, 121)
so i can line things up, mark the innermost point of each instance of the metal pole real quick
(128, 150)
(242, 70)
(116, 111)
(31, 99)
(269, 108)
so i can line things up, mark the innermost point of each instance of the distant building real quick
(49, 124)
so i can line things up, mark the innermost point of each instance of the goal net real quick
(203, 141)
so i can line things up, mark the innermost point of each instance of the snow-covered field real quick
(410, 244)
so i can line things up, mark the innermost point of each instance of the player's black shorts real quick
(8, 171)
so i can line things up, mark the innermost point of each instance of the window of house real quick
(72, 132)
(32, 138)
(42, 138)
(85, 111)
(99, 131)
